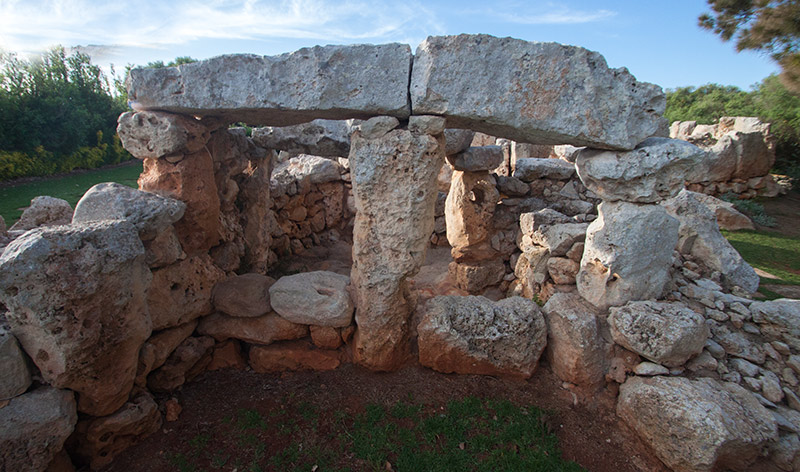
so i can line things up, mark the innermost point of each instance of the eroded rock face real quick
(153, 134)
(185, 363)
(697, 425)
(531, 168)
(576, 351)
(149, 213)
(157, 349)
(476, 159)
(330, 82)
(394, 184)
(316, 169)
(297, 355)
(259, 330)
(329, 138)
(468, 212)
(666, 333)
(457, 140)
(654, 171)
(16, 376)
(76, 296)
(624, 259)
(33, 428)
(545, 93)
(700, 237)
(728, 217)
(473, 335)
(245, 295)
(44, 211)
(313, 298)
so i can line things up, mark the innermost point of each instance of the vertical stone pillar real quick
(394, 184)
(469, 209)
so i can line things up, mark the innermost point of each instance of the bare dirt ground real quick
(786, 211)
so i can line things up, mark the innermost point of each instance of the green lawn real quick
(771, 252)
(71, 188)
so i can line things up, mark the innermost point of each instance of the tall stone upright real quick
(394, 183)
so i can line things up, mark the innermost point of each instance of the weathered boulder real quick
(544, 93)
(512, 186)
(187, 362)
(33, 428)
(314, 298)
(563, 270)
(297, 355)
(77, 303)
(330, 138)
(259, 330)
(190, 180)
(655, 170)
(149, 213)
(565, 152)
(551, 230)
(315, 168)
(473, 335)
(44, 211)
(700, 237)
(728, 217)
(575, 348)
(779, 320)
(624, 259)
(182, 292)
(164, 249)
(100, 439)
(394, 185)
(245, 295)
(665, 333)
(474, 276)
(16, 376)
(331, 82)
(158, 348)
(529, 169)
(153, 134)
(476, 159)
(457, 140)
(468, 212)
(697, 425)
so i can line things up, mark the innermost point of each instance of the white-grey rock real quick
(531, 168)
(330, 82)
(728, 217)
(245, 295)
(649, 369)
(428, 124)
(44, 211)
(477, 158)
(34, 427)
(533, 92)
(153, 134)
(149, 213)
(16, 377)
(665, 333)
(700, 237)
(318, 170)
(512, 186)
(457, 140)
(329, 138)
(779, 320)
(655, 170)
(378, 126)
(314, 298)
(565, 152)
(699, 425)
(624, 259)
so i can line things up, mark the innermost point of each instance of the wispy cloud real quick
(27, 25)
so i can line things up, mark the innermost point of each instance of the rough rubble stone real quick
(562, 270)
(314, 298)
(779, 319)
(575, 348)
(700, 237)
(316, 169)
(164, 250)
(153, 134)
(457, 140)
(378, 126)
(34, 427)
(16, 377)
(655, 170)
(476, 159)
(728, 217)
(186, 362)
(158, 348)
(665, 333)
(534, 92)
(512, 186)
(101, 439)
(624, 258)
(76, 300)
(473, 335)
(297, 355)
(530, 169)
(557, 238)
(394, 185)
(565, 152)
(259, 330)
(429, 124)
(329, 138)
(149, 213)
(330, 82)
(697, 425)
(477, 275)
(245, 295)
(44, 211)
(468, 210)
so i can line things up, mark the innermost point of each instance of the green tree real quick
(771, 26)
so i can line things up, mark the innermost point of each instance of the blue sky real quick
(657, 41)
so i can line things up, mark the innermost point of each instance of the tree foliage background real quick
(57, 113)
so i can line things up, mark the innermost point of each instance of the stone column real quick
(628, 250)
(394, 184)
(469, 209)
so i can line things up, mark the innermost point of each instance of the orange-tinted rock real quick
(182, 292)
(259, 330)
(227, 355)
(191, 181)
(189, 360)
(297, 355)
(172, 410)
(325, 337)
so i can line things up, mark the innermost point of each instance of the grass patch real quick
(470, 434)
(70, 187)
(771, 252)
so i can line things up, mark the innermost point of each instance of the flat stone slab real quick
(313, 298)
(329, 82)
(543, 93)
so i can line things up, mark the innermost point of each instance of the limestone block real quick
(457, 140)
(158, 348)
(314, 298)
(77, 303)
(697, 425)
(292, 356)
(259, 330)
(153, 134)
(476, 276)
(245, 295)
(531, 168)
(16, 376)
(627, 254)
(477, 159)
(533, 92)
(186, 362)
(329, 138)
(315, 168)
(562, 270)
(330, 82)
(44, 211)
(468, 210)
(473, 335)
(164, 250)
(728, 217)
